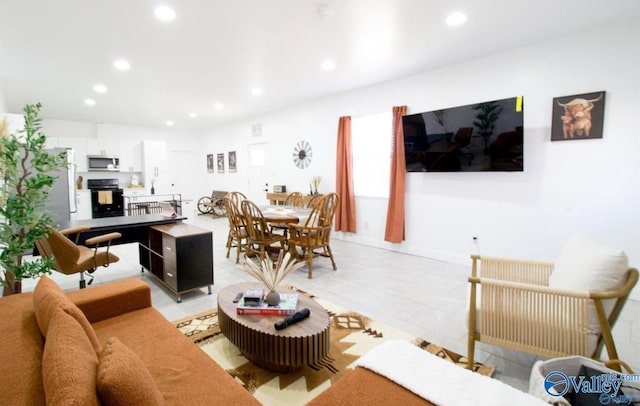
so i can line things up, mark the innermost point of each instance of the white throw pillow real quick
(587, 265)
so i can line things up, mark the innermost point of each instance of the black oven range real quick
(106, 198)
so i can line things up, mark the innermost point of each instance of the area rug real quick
(352, 335)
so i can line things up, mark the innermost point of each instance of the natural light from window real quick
(371, 153)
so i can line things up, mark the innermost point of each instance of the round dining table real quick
(285, 214)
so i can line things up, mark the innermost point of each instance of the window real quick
(371, 148)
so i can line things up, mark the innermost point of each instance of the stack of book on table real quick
(248, 305)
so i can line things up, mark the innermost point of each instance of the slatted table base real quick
(306, 342)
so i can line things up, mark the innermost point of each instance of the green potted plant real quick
(25, 182)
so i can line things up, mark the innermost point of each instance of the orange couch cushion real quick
(47, 298)
(69, 363)
(183, 373)
(364, 387)
(123, 379)
(20, 352)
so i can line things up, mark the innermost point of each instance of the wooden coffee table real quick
(287, 350)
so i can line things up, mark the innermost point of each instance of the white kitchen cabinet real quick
(79, 146)
(130, 155)
(154, 159)
(83, 203)
(102, 146)
(51, 142)
(15, 123)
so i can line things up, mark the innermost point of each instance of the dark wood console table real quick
(306, 342)
(180, 256)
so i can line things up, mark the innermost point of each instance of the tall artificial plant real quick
(25, 178)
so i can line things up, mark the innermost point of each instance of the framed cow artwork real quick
(578, 117)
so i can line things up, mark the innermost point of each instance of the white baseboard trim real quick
(405, 248)
(427, 253)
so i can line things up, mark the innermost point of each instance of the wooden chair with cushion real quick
(260, 239)
(72, 258)
(550, 309)
(315, 234)
(237, 230)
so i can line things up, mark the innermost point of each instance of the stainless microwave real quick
(103, 163)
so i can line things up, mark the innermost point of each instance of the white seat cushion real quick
(589, 266)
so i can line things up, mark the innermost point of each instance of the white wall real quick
(3, 106)
(588, 186)
(281, 131)
(181, 147)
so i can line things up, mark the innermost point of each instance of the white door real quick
(258, 179)
(181, 180)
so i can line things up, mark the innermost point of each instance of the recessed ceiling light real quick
(165, 13)
(169, 123)
(193, 115)
(218, 106)
(456, 18)
(100, 88)
(121, 64)
(256, 91)
(89, 102)
(328, 65)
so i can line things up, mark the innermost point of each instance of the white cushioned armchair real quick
(547, 309)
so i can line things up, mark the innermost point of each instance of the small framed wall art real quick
(578, 117)
(221, 163)
(210, 163)
(232, 161)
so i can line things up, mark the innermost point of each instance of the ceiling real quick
(216, 51)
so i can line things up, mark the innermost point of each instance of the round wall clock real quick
(302, 154)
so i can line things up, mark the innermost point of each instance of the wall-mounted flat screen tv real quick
(485, 136)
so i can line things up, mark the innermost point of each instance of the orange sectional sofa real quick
(103, 345)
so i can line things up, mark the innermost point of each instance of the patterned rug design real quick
(352, 335)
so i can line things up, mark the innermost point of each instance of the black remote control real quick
(294, 318)
(237, 298)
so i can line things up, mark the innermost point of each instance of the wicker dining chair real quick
(260, 239)
(236, 198)
(513, 306)
(314, 200)
(315, 234)
(295, 200)
(237, 229)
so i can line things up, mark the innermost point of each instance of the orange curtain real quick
(394, 231)
(346, 211)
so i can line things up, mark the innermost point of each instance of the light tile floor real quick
(422, 296)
